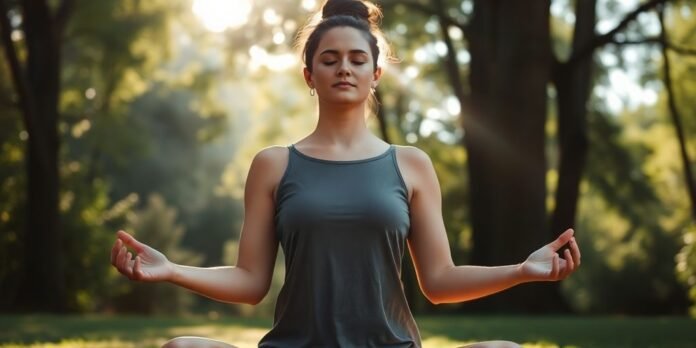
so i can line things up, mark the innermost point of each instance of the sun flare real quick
(218, 15)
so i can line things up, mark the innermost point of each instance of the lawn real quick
(450, 331)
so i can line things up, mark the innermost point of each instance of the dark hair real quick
(361, 15)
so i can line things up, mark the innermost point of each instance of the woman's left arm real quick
(439, 279)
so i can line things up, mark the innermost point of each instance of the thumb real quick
(130, 241)
(562, 239)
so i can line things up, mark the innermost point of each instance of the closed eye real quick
(354, 62)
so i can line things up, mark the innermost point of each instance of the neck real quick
(342, 125)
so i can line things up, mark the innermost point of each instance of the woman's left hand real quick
(546, 265)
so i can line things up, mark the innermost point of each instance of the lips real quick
(343, 84)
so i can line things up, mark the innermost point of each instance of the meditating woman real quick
(343, 205)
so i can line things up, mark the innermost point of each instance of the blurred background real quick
(538, 115)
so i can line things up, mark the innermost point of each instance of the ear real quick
(376, 76)
(308, 77)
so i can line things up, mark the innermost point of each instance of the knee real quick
(180, 342)
(195, 342)
(503, 344)
(493, 344)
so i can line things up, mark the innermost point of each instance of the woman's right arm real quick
(248, 281)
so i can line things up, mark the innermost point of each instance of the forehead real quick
(343, 40)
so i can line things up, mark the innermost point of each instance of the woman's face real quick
(343, 70)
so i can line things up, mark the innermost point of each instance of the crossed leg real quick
(202, 342)
(492, 344)
(195, 342)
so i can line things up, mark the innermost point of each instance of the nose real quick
(343, 68)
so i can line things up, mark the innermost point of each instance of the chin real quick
(345, 100)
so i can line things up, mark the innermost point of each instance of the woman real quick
(343, 204)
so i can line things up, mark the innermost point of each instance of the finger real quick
(562, 239)
(121, 260)
(118, 262)
(555, 267)
(570, 265)
(119, 255)
(137, 273)
(129, 264)
(114, 251)
(575, 249)
(131, 241)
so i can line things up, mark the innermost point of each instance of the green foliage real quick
(633, 203)
(177, 164)
(686, 265)
(132, 131)
(146, 115)
(109, 46)
(86, 240)
(625, 226)
(156, 226)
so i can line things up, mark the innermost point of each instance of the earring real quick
(311, 92)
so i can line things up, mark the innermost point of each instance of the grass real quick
(450, 331)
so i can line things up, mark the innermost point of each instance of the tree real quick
(37, 83)
(60, 55)
(504, 113)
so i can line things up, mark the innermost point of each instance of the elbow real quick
(257, 295)
(433, 296)
(434, 299)
(250, 297)
(254, 300)
(435, 289)
(437, 301)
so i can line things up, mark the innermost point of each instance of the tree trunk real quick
(504, 137)
(572, 82)
(573, 88)
(42, 287)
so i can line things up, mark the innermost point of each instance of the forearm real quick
(464, 283)
(225, 284)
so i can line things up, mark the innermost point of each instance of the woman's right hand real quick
(149, 265)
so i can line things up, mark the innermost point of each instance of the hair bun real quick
(353, 8)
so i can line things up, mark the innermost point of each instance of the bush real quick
(686, 265)
(156, 226)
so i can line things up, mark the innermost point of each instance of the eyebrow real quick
(336, 52)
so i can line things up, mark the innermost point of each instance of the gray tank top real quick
(343, 227)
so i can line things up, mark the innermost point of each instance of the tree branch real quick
(449, 21)
(454, 75)
(647, 40)
(606, 38)
(686, 51)
(683, 50)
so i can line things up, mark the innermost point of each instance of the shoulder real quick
(412, 156)
(416, 168)
(269, 164)
(271, 155)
